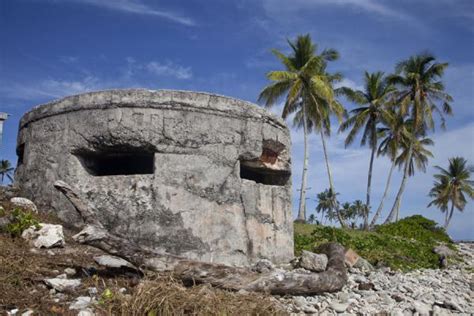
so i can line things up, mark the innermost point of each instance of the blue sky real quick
(53, 48)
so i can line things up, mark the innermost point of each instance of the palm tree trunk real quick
(302, 206)
(387, 185)
(446, 225)
(396, 205)
(446, 215)
(331, 182)
(369, 183)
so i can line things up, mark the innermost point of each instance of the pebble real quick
(385, 292)
(70, 271)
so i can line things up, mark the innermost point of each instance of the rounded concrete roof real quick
(160, 99)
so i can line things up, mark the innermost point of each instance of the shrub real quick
(20, 220)
(404, 245)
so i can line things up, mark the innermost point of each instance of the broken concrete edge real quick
(106, 98)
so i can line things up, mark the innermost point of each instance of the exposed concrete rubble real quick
(24, 203)
(46, 236)
(192, 174)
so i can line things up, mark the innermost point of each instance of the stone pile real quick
(385, 292)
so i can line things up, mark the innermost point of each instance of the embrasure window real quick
(20, 151)
(263, 175)
(117, 163)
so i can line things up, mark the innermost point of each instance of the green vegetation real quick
(373, 109)
(394, 114)
(6, 170)
(307, 88)
(20, 220)
(404, 245)
(452, 186)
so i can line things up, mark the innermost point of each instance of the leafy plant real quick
(21, 220)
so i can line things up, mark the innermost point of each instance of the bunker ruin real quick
(194, 174)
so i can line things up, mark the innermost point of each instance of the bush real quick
(20, 220)
(404, 245)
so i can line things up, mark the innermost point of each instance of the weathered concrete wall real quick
(193, 174)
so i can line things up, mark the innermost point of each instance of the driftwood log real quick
(195, 272)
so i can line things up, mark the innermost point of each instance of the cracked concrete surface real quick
(193, 174)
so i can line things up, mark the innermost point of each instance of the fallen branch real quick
(219, 275)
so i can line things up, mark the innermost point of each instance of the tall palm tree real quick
(451, 186)
(371, 111)
(421, 93)
(6, 170)
(393, 131)
(413, 156)
(303, 82)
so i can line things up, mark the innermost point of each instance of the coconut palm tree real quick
(451, 186)
(395, 128)
(440, 193)
(325, 202)
(371, 110)
(413, 156)
(421, 93)
(6, 170)
(308, 92)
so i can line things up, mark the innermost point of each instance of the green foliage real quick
(416, 227)
(404, 245)
(21, 220)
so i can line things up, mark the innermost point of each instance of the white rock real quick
(13, 311)
(82, 302)
(396, 312)
(113, 262)
(47, 236)
(28, 312)
(70, 271)
(85, 312)
(62, 276)
(62, 284)
(421, 308)
(24, 203)
(92, 291)
(339, 307)
(313, 261)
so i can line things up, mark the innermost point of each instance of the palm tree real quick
(393, 131)
(325, 202)
(304, 82)
(312, 219)
(413, 156)
(6, 170)
(421, 93)
(371, 111)
(451, 186)
(441, 197)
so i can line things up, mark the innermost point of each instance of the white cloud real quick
(169, 69)
(49, 88)
(369, 6)
(137, 7)
(350, 84)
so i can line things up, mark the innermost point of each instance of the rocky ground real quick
(384, 292)
(45, 272)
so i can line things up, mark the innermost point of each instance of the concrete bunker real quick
(198, 175)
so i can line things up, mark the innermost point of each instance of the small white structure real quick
(3, 117)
